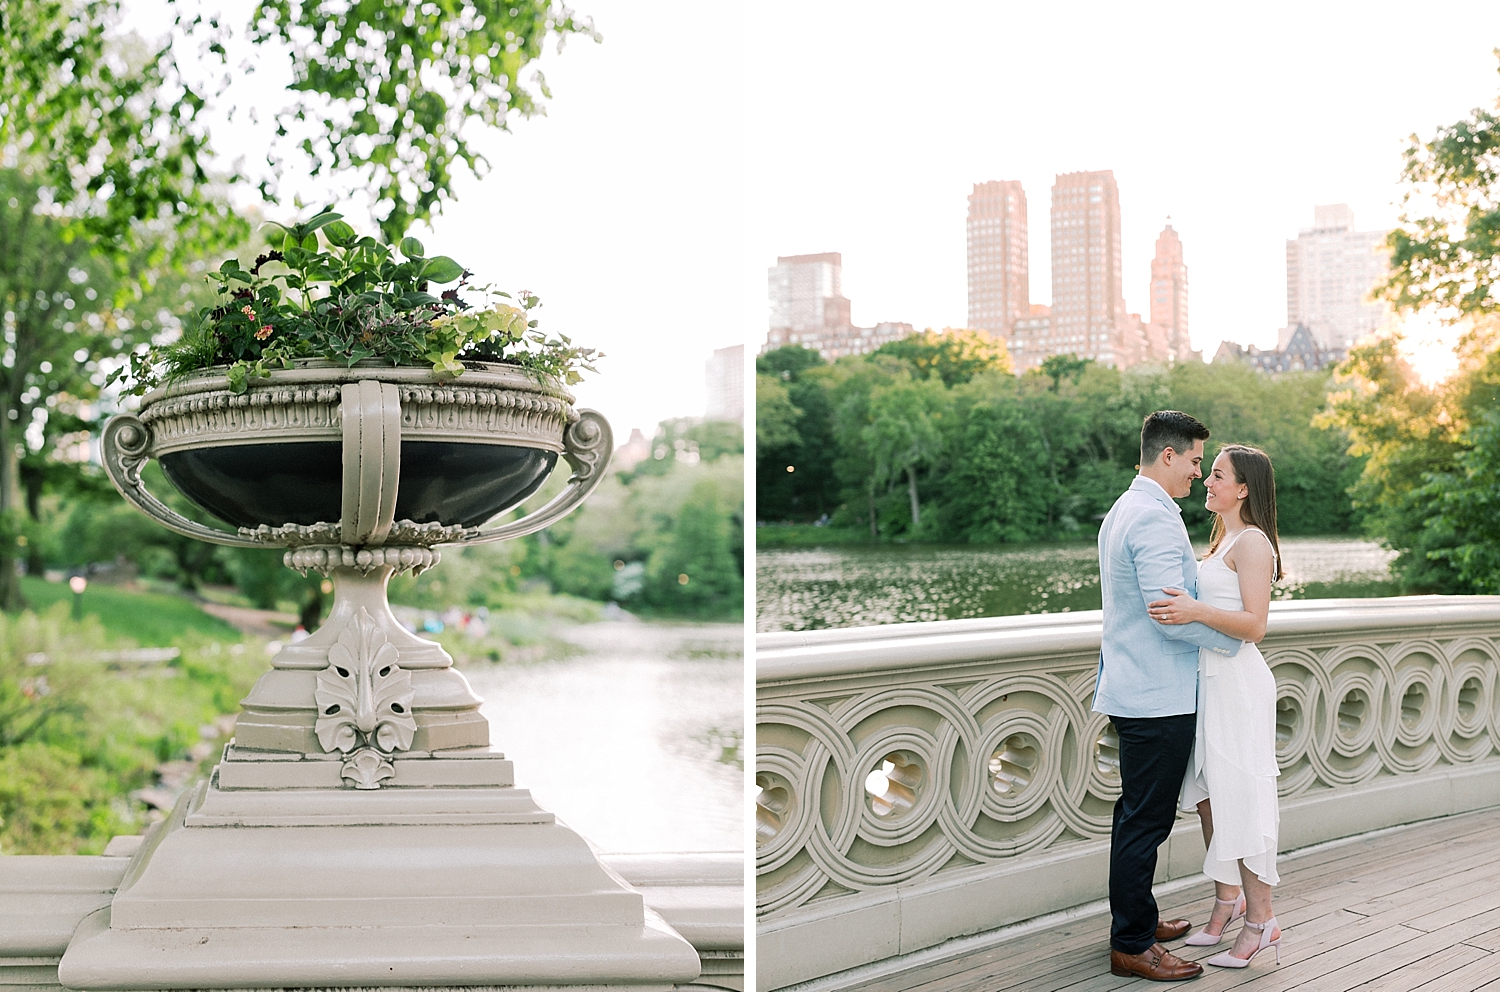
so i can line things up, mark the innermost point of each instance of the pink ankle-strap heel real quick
(1228, 960)
(1205, 939)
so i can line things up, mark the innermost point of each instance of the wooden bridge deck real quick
(1415, 908)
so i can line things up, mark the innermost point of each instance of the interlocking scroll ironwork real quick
(981, 748)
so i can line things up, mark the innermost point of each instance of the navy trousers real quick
(1154, 753)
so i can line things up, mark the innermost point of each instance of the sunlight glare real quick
(1429, 339)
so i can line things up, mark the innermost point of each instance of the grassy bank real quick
(149, 619)
(82, 730)
(810, 536)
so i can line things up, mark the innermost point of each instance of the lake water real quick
(635, 741)
(813, 588)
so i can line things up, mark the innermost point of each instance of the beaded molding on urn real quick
(872, 779)
(483, 413)
(403, 532)
(298, 413)
(324, 560)
(434, 413)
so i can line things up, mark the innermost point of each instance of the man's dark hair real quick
(1169, 429)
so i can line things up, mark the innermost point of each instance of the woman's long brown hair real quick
(1252, 469)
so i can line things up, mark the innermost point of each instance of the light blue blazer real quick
(1148, 669)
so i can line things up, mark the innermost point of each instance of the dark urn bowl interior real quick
(449, 482)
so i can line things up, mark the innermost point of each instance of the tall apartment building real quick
(1330, 272)
(807, 293)
(1169, 299)
(1031, 339)
(999, 281)
(808, 308)
(724, 377)
(1088, 301)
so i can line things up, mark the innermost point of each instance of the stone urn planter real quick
(360, 829)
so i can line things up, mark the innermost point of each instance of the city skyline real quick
(1234, 140)
(1332, 271)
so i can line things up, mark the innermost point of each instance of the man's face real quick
(1182, 469)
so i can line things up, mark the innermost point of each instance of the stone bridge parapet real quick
(921, 782)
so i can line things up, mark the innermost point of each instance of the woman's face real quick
(1225, 493)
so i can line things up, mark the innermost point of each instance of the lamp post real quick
(78, 584)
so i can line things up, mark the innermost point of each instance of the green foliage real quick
(694, 569)
(775, 414)
(325, 292)
(997, 458)
(146, 618)
(77, 735)
(51, 803)
(1314, 472)
(97, 526)
(641, 531)
(104, 202)
(903, 432)
(628, 543)
(1427, 452)
(801, 443)
(392, 88)
(106, 127)
(1430, 479)
(953, 355)
(1468, 501)
(997, 495)
(1446, 251)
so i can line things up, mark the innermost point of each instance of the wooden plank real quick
(1432, 969)
(1489, 940)
(1481, 973)
(1416, 908)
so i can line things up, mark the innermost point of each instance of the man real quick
(1148, 684)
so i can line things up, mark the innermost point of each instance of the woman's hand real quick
(1181, 608)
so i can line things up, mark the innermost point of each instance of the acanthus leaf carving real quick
(364, 699)
(367, 768)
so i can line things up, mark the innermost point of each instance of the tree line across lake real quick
(935, 439)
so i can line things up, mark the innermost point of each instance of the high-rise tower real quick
(1331, 270)
(1169, 296)
(999, 281)
(807, 293)
(808, 308)
(1088, 301)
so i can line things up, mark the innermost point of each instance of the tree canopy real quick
(1003, 458)
(392, 91)
(1430, 450)
(105, 126)
(1446, 250)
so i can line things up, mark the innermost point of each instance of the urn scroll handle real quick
(587, 445)
(125, 448)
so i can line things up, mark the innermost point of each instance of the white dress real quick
(1234, 756)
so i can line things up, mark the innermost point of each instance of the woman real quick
(1232, 777)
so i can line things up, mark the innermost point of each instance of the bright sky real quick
(619, 208)
(868, 124)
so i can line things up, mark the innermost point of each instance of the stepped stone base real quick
(396, 887)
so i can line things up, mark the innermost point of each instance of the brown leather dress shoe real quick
(1155, 963)
(1171, 929)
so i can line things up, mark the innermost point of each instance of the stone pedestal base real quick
(399, 887)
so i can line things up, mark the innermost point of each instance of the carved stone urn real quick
(360, 829)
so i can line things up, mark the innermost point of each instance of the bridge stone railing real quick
(921, 782)
(43, 899)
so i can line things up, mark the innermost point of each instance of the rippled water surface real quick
(635, 742)
(812, 588)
